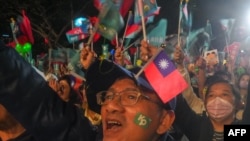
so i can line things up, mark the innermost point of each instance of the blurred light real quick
(5, 35)
(79, 21)
(248, 17)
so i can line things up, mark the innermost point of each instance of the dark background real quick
(203, 10)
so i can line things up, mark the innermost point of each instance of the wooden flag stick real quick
(141, 13)
(179, 24)
(117, 39)
(103, 12)
(125, 49)
(124, 34)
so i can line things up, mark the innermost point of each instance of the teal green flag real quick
(110, 20)
(157, 33)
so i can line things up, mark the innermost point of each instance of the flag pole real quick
(96, 25)
(140, 7)
(125, 49)
(126, 27)
(117, 39)
(14, 29)
(179, 23)
(149, 61)
(92, 33)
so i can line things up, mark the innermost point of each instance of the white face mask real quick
(219, 108)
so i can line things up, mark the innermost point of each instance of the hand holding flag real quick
(147, 51)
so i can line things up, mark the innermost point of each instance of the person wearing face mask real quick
(221, 100)
(242, 86)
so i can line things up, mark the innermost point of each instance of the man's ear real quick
(166, 121)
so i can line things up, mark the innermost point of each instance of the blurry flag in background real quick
(132, 28)
(157, 34)
(25, 27)
(185, 17)
(75, 34)
(164, 77)
(123, 5)
(21, 29)
(150, 9)
(110, 20)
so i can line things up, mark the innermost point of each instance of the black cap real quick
(102, 74)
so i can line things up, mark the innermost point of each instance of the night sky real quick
(203, 10)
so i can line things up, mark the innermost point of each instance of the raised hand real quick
(200, 63)
(178, 56)
(53, 84)
(87, 56)
(147, 51)
(119, 56)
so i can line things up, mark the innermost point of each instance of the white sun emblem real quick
(163, 64)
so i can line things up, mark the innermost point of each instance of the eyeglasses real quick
(126, 97)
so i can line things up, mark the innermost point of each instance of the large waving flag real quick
(163, 76)
(110, 20)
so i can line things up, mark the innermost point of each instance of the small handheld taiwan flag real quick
(163, 76)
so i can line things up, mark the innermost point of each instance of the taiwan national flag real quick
(164, 77)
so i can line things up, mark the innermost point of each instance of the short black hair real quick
(234, 90)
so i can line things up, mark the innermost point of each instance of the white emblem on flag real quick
(163, 64)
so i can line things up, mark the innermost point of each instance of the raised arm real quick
(195, 103)
(27, 96)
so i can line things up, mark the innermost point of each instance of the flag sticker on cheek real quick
(142, 120)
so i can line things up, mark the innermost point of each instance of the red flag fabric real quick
(22, 39)
(233, 50)
(125, 7)
(93, 21)
(133, 30)
(164, 77)
(25, 27)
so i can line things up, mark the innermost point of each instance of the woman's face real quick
(243, 83)
(64, 90)
(220, 102)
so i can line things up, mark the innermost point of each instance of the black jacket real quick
(23, 137)
(27, 96)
